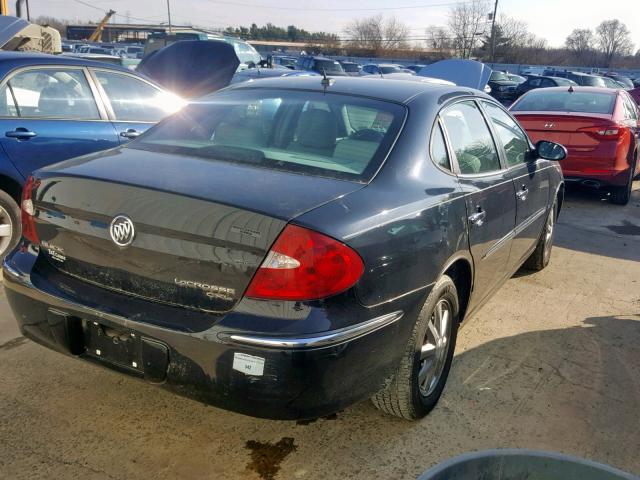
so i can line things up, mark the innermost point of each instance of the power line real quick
(306, 9)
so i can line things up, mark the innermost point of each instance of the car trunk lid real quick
(202, 227)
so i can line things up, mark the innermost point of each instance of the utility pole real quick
(493, 33)
(169, 15)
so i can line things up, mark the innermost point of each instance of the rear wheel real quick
(10, 227)
(540, 257)
(622, 195)
(420, 378)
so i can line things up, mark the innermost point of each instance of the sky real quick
(550, 19)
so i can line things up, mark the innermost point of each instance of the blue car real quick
(56, 107)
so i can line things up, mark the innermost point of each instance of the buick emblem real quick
(122, 231)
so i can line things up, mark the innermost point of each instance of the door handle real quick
(20, 133)
(522, 194)
(478, 218)
(130, 133)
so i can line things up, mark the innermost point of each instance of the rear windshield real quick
(386, 70)
(329, 135)
(564, 101)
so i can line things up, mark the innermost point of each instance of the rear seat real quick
(355, 153)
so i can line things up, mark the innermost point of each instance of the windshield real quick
(245, 52)
(310, 133)
(390, 70)
(543, 100)
(329, 66)
(499, 77)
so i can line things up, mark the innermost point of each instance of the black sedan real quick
(536, 81)
(290, 246)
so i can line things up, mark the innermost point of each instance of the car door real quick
(530, 177)
(489, 193)
(51, 113)
(133, 103)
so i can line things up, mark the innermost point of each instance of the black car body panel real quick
(408, 223)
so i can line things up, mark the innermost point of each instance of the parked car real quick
(265, 248)
(416, 68)
(534, 81)
(381, 69)
(283, 60)
(321, 65)
(502, 88)
(586, 80)
(516, 78)
(134, 51)
(625, 81)
(58, 107)
(599, 127)
(636, 83)
(351, 68)
(635, 93)
(611, 83)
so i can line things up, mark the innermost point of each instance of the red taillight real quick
(305, 265)
(28, 211)
(606, 132)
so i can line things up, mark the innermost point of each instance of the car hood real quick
(192, 68)
(10, 27)
(464, 73)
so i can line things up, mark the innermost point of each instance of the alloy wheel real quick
(433, 353)
(548, 233)
(6, 230)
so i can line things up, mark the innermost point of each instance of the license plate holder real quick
(116, 346)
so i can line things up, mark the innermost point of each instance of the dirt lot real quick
(552, 362)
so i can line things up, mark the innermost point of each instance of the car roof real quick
(400, 91)
(11, 60)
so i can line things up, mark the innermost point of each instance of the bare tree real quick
(467, 21)
(439, 40)
(582, 43)
(614, 39)
(377, 33)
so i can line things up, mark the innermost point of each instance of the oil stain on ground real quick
(266, 457)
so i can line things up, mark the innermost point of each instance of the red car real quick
(598, 126)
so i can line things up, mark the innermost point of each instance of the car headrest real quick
(317, 128)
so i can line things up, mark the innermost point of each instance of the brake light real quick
(608, 132)
(305, 265)
(27, 211)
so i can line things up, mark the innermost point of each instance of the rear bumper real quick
(597, 178)
(297, 376)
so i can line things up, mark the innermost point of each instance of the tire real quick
(540, 257)
(403, 396)
(9, 215)
(622, 195)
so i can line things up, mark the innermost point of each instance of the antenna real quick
(326, 81)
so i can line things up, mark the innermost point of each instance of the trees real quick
(439, 41)
(581, 42)
(467, 21)
(377, 33)
(614, 39)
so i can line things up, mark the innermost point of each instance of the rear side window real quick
(470, 138)
(439, 152)
(310, 133)
(630, 108)
(565, 101)
(133, 100)
(53, 93)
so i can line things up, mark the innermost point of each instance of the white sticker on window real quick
(248, 364)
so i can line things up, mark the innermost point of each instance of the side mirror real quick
(551, 150)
